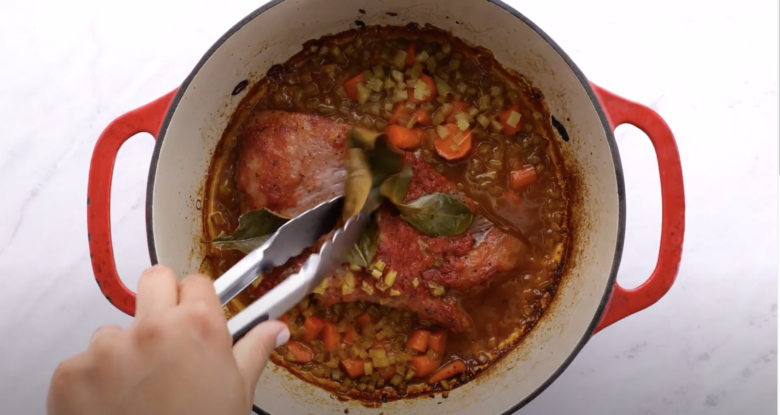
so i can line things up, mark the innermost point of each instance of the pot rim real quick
(583, 81)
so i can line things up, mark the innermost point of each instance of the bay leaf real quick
(254, 228)
(358, 183)
(396, 186)
(371, 161)
(362, 253)
(437, 214)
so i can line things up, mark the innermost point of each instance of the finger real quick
(157, 290)
(67, 385)
(199, 288)
(253, 350)
(104, 334)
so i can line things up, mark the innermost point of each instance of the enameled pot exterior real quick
(189, 121)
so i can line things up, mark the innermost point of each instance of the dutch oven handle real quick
(625, 302)
(145, 119)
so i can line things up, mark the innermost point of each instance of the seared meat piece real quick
(291, 162)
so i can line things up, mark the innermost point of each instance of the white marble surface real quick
(709, 68)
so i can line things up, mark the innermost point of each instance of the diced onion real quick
(349, 279)
(463, 124)
(363, 93)
(377, 353)
(346, 289)
(441, 86)
(472, 111)
(394, 293)
(483, 120)
(422, 56)
(390, 278)
(443, 132)
(376, 273)
(415, 282)
(436, 289)
(398, 76)
(381, 362)
(399, 60)
(389, 83)
(421, 90)
(431, 64)
(321, 287)
(379, 72)
(496, 126)
(380, 265)
(399, 96)
(368, 288)
(375, 84)
(514, 118)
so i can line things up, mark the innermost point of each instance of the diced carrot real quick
(410, 54)
(330, 336)
(448, 148)
(447, 371)
(378, 344)
(523, 177)
(418, 340)
(351, 334)
(386, 372)
(363, 320)
(301, 352)
(397, 112)
(355, 367)
(437, 341)
(431, 87)
(457, 106)
(350, 85)
(424, 366)
(313, 326)
(285, 318)
(508, 129)
(422, 117)
(403, 138)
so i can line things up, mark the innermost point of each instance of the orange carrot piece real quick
(410, 54)
(519, 179)
(403, 138)
(386, 372)
(350, 85)
(424, 366)
(363, 320)
(431, 87)
(422, 117)
(457, 106)
(330, 336)
(355, 367)
(418, 340)
(508, 129)
(301, 352)
(447, 371)
(397, 112)
(437, 341)
(448, 148)
(313, 326)
(351, 334)
(378, 344)
(285, 318)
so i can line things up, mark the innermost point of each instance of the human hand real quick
(176, 358)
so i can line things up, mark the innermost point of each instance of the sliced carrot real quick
(437, 341)
(418, 340)
(350, 85)
(448, 148)
(386, 372)
(363, 320)
(457, 106)
(355, 367)
(313, 326)
(397, 112)
(423, 366)
(410, 54)
(350, 336)
(301, 352)
(422, 117)
(431, 87)
(403, 138)
(508, 129)
(330, 336)
(447, 371)
(523, 177)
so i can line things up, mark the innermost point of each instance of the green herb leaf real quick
(371, 161)
(254, 228)
(358, 183)
(437, 214)
(363, 251)
(396, 186)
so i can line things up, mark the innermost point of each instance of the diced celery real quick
(363, 93)
(398, 76)
(399, 60)
(400, 96)
(514, 118)
(463, 124)
(483, 120)
(390, 278)
(442, 131)
(441, 86)
(375, 84)
(422, 56)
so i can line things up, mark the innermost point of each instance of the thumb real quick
(252, 352)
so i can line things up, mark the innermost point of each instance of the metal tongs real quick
(289, 241)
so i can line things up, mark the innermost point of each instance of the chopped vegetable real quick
(421, 117)
(375, 84)
(457, 108)
(522, 178)
(463, 125)
(483, 120)
(437, 290)
(424, 366)
(400, 96)
(351, 335)
(415, 282)
(355, 367)
(320, 289)
(387, 373)
(510, 120)
(399, 60)
(437, 341)
(404, 138)
(398, 76)
(301, 352)
(350, 85)
(390, 278)
(313, 326)
(363, 93)
(367, 287)
(410, 54)
(456, 144)
(363, 320)
(394, 293)
(427, 90)
(349, 279)
(330, 336)
(447, 371)
(418, 340)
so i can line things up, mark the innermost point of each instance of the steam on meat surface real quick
(291, 162)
